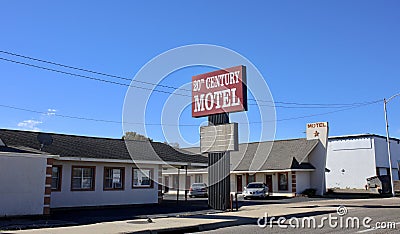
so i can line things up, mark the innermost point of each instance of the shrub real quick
(309, 192)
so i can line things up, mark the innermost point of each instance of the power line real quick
(182, 125)
(173, 93)
(88, 77)
(317, 105)
(87, 119)
(330, 112)
(86, 70)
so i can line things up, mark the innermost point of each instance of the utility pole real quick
(388, 141)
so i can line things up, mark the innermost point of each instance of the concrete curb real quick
(198, 228)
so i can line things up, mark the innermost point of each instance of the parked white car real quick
(255, 190)
(198, 190)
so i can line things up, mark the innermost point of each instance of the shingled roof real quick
(271, 155)
(96, 147)
(284, 154)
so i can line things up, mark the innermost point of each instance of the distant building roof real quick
(96, 147)
(363, 135)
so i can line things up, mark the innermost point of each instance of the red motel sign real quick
(221, 91)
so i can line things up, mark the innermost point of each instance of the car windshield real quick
(255, 186)
(199, 185)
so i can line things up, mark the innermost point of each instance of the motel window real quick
(82, 178)
(387, 171)
(283, 181)
(198, 178)
(56, 178)
(114, 178)
(251, 178)
(378, 173)
(142, 178)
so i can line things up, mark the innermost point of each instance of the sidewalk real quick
(193, 223)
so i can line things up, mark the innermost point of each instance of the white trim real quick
(29, 155)
(2, 143)
(129, 161)
(240, 172)
(189, 173)
(271, 171)
(93, 160)
(13, 154)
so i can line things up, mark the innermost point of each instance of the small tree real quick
(135, 136)
(173, 144)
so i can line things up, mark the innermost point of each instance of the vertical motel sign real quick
(218, 92)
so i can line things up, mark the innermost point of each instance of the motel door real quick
(239, 185)
(268, 181)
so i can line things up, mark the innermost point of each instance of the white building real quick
(78, 171)
(351, 159)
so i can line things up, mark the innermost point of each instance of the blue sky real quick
(307, 51)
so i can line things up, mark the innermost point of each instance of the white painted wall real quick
(275, 183)
(99, 197)
(260, 177)
(318, 158)
(22, 180)
(350, 162)
(302, 181)
(233, 183)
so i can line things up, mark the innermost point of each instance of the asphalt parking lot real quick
(168, 208)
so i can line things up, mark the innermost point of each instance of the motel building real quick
(291, 167)
(44, 171)
(288, 167)
(297, 164)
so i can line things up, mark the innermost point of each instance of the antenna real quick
(44, 139)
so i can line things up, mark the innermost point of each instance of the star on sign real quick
(316, 133)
